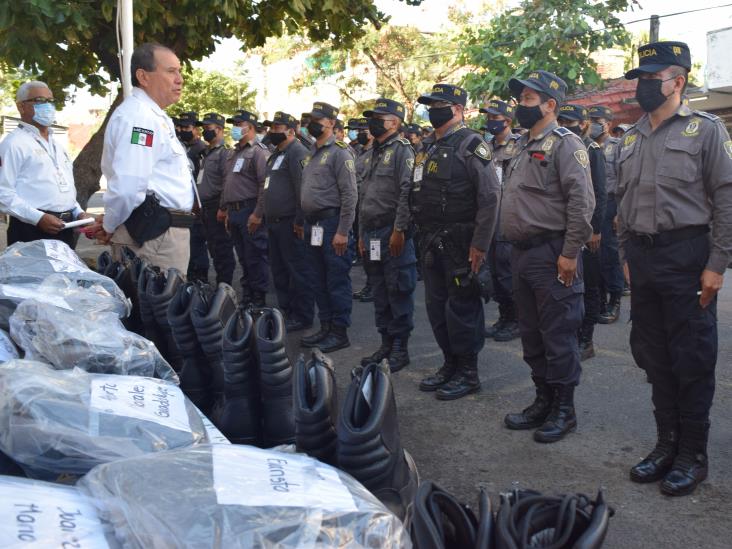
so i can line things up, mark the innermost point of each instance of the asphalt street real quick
(462, 445)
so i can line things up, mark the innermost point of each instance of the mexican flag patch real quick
(141, 136)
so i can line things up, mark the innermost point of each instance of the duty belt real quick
(668, 237)
(181, 219)
(327, 213)
(66, 216)
(269, 219)
(537, 240)
(242, 204)
(378, 222)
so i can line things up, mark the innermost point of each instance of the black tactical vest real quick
(445, 194)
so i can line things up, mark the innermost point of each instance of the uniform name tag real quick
(375, 250)
(316, 236)
(418, 171)
(63, 184)
(278, 162)
(238, 165)
(266, 182)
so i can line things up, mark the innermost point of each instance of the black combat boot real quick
(336, 339)
(536, 413)
(275, 379)
(313, 339)
(160, 293)
(465, 380)
(586, 346)
(441, 377)
(509, 329)
(367, 294)
(399, 355)
(316, 408)
(150, 328)
(494, 328)
(562, 419)
(381, 353)
(691, 466)
(440, 520)
(240, 416)
(612, 312)
(655, 466)
(369, 445)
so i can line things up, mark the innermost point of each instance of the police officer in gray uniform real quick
(454, 201)
(503, 142)
(545, 212)
(210, 183)
(385, 239)
(363, 161)
(328, 197)
(674, 215)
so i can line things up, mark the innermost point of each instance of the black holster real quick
(149, 220)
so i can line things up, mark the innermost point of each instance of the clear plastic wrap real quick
(56, 423)
(238, 497)
(95, 342)
(40, 514)
(8, 350)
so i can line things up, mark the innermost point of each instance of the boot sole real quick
(649, 479)
(503, 339)
(430, 388)
(310, 344)
(523, 426)
(607, 320)
(548, 440)
(675, 493)
(443, 396)
(335, 348)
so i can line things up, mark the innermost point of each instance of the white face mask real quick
(44, 114)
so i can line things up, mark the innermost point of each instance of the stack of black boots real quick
(369, 444)
(148, 278)
(125, 274)
(552, 413)
(160, 291)
(316, 407)
(440, 521)
(393, 348)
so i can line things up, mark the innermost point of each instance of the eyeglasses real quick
(41, 100)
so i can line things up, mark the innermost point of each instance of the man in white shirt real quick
(36, 178)
(149, 182)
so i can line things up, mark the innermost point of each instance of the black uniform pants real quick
(219, 243)
(18, 231)
(549, 313)
(499, 261)
(592, 272)
(458, 323)
(672, 338)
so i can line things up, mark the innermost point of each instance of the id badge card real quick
(375, 250)
(418, 172)
(278, 162)
(238, 165)
(200, 177)
(266, 183)
(63, 184)
(316, 236)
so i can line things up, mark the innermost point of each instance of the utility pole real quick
(655, 24)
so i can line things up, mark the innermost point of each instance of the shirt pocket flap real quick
(680, 159)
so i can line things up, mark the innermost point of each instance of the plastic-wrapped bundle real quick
(41, 514)
(238, 497)
(95, 342)
(66, 422)
(8, 351)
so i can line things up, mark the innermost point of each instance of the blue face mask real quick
(45, 114)
(352, 135)
(236, 133)
(304, 131)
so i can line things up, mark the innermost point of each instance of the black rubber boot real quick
(313, 339)
(150, 328)
(316, 407)
(336, 339)
(381, 353)
(536, 413)
(562, 419)
(439, 521)
(240, 417)
(275, 380)
(691, 465)
(160, 293)
(399, 355)
(439, 378)
(210, 312)
(612, 312)
(655, 466)
(195, 376)
(464, 382)
(369, 445)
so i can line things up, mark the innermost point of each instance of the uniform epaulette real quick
(262, 145)
(403, 141)
(562, 132)
(707, 115)
(480, 148)
(593, 145)
(342, 144)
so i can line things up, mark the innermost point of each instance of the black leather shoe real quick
(357, 295)
(536, 413)
(313, 339)
(509, 331)
(612, 313)
(464, 382)
(293, 325)
(691, 465)
(587, 350)
(562, 419)
(655, 466)
(491, 331)
(381, 353)
(367, 294)
(399, 355)
(336, 339)
(439, 378)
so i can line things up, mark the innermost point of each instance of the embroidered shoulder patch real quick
(141, 136)
(350, 166)
(582, 158)
(341, 144)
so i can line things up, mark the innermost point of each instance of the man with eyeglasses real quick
(36, 178)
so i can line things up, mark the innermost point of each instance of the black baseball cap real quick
(601, 111)
(496, 106)
(445, 92)
(413, 128)
(540, 81)
(386, 106)
(284, 118)
(573, 112)
(357, 124)
(323, 110)
(212, 118)
(243, 116)
(338, 124)
(189, 118)
(657, 56)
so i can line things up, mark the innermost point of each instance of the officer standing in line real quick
(385, 239)
(545, 212)
(146, 167)
(243, 206)
(612, 271)
(353, 126)
(454, 201)
(328, 196)
(284, 219)
(363, 162)
(674, 212)
(302, 131)
(576, 119)
(414, 134)
(210, 186)
(499, 119)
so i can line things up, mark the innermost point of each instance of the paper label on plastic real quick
(62, 258)
(214, 435)
(48, 517)
(23, 292)
(252, 477)
(316, 236)
(139, 398)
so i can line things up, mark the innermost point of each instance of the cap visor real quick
(427, 99)
(493, 111)
(320, 114)
(635, 73)
(516, 86)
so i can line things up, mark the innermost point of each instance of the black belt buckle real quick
(645, 240)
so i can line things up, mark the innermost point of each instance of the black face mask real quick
(576, 130)
(649, 94)
(376, 127)
(209, 135)
(439, 116)
(528, 116)
(315, 129)
(277, 137)
(186, 136)
(495, 127)
(362, 138)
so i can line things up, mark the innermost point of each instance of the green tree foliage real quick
(555, 35)
(211, 91)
